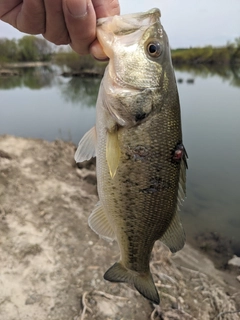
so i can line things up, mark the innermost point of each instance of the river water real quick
(40, 103)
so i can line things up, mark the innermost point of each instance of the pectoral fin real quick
(87, 146)
(112, 152)
(99, 223)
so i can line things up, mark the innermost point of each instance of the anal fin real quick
(99, 223)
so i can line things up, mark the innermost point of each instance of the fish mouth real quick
(117, 32)
(124, 40)
(128, 23)
(133, 25)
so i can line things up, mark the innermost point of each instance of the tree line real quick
(227, 55)
(26, 49)
(32, 48)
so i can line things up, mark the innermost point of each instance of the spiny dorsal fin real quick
(112, 152)
(87, 146)
(99, 223)
(142, 282)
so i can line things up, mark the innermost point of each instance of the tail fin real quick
(142, 282)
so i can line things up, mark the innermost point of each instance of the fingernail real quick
(77, 8)
(102, 59)
(97, 51)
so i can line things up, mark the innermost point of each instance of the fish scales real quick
(153, 193)
(141, 161)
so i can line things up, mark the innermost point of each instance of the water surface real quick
(42, 104)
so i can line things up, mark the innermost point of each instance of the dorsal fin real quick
(174, 238)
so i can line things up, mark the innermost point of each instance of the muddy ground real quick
(52, 264)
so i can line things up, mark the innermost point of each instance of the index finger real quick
(27, 16)
(103, 8)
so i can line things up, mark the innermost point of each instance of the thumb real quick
(80, 19)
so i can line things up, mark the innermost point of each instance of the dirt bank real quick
(51, 263)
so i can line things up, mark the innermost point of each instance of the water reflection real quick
(86, 88)
(230, 73)
(81, 89)
(32, 78)
(74, 90)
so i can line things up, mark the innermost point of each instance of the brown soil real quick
(51, 263)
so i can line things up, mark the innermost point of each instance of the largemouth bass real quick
(137, 140)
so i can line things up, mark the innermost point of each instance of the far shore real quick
(25, 64)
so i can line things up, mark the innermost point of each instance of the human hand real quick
(61, 21)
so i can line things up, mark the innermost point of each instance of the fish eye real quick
(154, 49)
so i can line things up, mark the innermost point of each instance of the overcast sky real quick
(187, 22)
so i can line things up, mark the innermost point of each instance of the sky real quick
(188, 23)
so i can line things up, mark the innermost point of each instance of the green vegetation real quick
(26, 49)
(230, 54)
(32, 49)
(78, 63)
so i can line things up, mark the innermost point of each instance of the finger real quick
(55, 26)
(80, 20)
(103, 8)
(6, 7)
(27, 16)
(106, 8)
(97, 52)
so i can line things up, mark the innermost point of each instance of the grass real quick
(229, 54)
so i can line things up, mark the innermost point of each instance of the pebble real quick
(235, 261)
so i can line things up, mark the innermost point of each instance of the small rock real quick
(235, 261)
(107, 308)
(91, 178)
(33, 298)
(5, 155)
(238, 278)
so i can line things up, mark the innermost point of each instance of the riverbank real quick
(228, 55)
(52, 264)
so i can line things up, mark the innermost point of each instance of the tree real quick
(8, 50)
(44, 48)
(32, 48)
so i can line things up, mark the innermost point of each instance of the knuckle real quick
(81, 50)
(102, 9)
(115, 8)
(57, 39)
(31, 28)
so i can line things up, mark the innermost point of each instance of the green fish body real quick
(141, 161)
